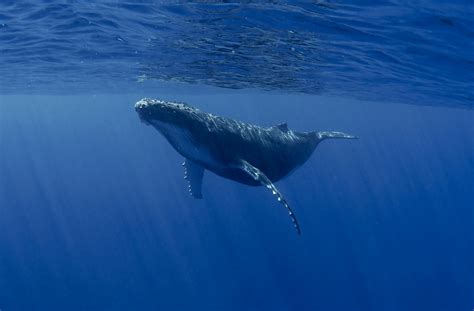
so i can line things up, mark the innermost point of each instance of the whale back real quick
(275, 150)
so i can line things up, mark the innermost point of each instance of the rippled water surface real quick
(419, 53)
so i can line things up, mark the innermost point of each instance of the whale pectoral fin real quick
(259, 176)
(193, 173)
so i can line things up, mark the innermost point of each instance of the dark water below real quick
(95, 214)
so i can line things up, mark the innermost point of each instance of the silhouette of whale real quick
(246, 153)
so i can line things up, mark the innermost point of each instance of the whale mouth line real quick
(146, 109)
(142, 107)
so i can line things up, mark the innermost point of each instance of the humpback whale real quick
(246, 153)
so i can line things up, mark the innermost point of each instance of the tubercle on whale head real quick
(163, 111)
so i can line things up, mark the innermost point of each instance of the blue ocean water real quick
(94, 210)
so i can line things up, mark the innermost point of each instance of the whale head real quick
(153, 111)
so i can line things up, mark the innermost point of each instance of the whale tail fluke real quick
(340, 135)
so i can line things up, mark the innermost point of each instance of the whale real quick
(249, 154)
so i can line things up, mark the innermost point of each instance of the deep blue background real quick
(94, 211)
(95, 214)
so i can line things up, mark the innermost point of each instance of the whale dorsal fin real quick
(193, 173)
(282, 127)
(259, 176)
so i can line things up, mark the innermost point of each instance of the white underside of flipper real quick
(259, 176)
(193, 173)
